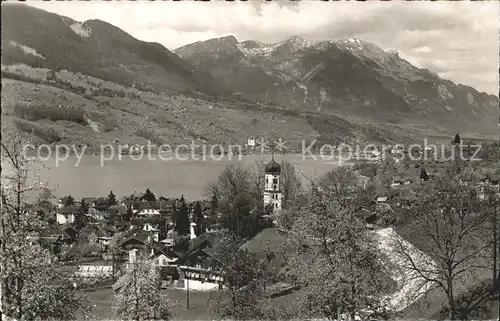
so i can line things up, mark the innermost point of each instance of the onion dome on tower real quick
(273, 168)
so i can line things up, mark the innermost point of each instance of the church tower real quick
(272, 190)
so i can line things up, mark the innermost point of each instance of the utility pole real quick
(497, 230)
(497, 238)
(113, 263)
(187, 292)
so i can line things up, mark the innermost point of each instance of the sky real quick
(458, 40)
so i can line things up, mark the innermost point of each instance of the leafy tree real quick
(80, 218)
(199, 219)
(127, 217)
(237, 202)
(182, 223)
(451, 221)
(51, 75)
(112, 199)
(84, 207)
(174, 211)
(149, 196)
(213, 208)
(423, 175)
(141, 298)
(337, 260)
(244, 279)
(256, 176)
(34, 286)
(69, 201)
(291, 185)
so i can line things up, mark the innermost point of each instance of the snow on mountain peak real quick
(352, 44)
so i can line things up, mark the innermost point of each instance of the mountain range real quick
(219, 90)
(347, 77)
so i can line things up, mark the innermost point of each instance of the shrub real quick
(148, 135)
(46, 134)
(105, 124)
(19, 77)
(54, 113)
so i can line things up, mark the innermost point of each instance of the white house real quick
(396, 182)
(148, 227)
(147, 211)
(163, 260)
(66, 214)
(192, 234)
(200, 279)
(104, 241)
(94, 271)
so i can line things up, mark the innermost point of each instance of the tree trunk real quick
(451, 304)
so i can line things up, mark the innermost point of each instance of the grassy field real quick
(199, 307)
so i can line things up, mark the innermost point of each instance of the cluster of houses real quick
(148, 231)
(145, 228)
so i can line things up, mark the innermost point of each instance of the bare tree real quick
(450, 219)
(33, 284)
(291, 184)
(257, 175)
(237, 200)
(337, 261)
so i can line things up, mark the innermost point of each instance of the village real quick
(101, 238)
(100, 242)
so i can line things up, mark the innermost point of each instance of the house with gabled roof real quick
(396, 181)
(89, 201)
(63, 201)
(66, 214)
(136, 195)
(146, 209)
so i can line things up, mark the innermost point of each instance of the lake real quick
(169, 178)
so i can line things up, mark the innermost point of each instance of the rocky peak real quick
(225, 44)
(297, 42)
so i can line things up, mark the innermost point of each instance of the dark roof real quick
(273, 167)
(71, 232)
(135, 233)
(119, 208)
(68, 209)
(64, 199)
(148, 205)
(153, 220)
(137, 195)
(204, 240)
(493, 177)
(51, 231)
(89, 200)
(371, 219)
(161, 248)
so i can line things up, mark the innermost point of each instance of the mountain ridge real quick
(347, 77)
(96, 48)
(91, 82)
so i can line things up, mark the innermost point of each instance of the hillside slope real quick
(41, 39)
(68, 107)
(92, 83)
(346, 77)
